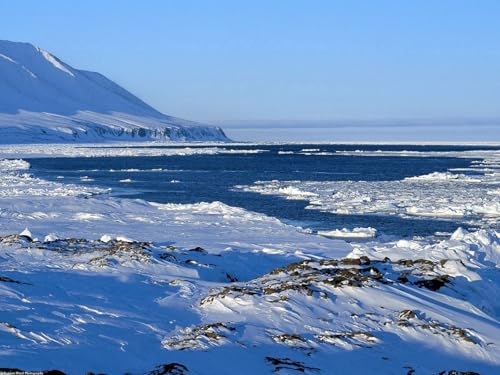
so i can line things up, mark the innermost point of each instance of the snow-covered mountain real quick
(44, 99)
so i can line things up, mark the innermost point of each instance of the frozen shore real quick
(208, 288)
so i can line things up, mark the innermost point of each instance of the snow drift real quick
(45, 99)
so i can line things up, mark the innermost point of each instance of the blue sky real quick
(259, 60)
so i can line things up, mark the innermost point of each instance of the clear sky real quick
(305, 60)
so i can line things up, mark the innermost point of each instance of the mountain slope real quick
(45, 99)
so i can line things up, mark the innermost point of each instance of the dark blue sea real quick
(197, 178)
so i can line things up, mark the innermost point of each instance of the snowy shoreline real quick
(155, 284)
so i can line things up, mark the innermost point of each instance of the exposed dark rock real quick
(413, 262)
(433, 284)
(403, 278)
(416, 320)
(199, 249)
(288, 364)
(15, 238)
(169, 369)
(6, 279)
(135, 251)
(233, 290)
(310, 277)
(292, 340)
(6, 370)
(168, 256)
(199, 337)
(351, 261)
(354, 338)
(407, 314)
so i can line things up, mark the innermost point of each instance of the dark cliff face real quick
(177, 133)
(73, 130)
(89, 132)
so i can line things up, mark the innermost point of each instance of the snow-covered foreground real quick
(126, 286)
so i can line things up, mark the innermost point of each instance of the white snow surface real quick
(123, 286)
(347, 233)
(442, 176)
(44, 99)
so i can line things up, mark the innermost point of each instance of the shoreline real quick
(156, 284)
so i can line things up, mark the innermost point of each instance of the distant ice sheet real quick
(116, 150)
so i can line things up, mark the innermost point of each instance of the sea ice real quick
(441, 195)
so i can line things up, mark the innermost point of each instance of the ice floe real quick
(346, 233)
(442, 176)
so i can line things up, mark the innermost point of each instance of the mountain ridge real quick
(43, 98)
